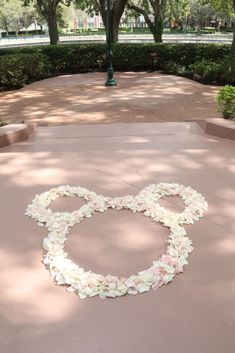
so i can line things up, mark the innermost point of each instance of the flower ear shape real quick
(38, 209)
(195, 203)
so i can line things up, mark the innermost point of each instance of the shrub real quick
(208, 71)
(226, 71)
(16, 70)
(208, 30)
(175, 69)
(139, 56)
(180, 53)
(19, 66)
(226, 101)
(74, 57)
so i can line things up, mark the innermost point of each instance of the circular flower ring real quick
(89, 284)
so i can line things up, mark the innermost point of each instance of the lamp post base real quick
(110, 82)
(110, 79)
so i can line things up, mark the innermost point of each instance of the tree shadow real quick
(83, 99)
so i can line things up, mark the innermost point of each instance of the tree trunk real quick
(117, 9)
(114, 26)
(156, 27)
(52, 27)
(157, 30)
(114, 29)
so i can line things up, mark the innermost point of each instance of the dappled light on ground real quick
(27, 290)
(83, 99)
(117, 160)
(127, 242)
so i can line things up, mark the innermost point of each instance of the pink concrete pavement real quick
(83, 99)
(194, 314)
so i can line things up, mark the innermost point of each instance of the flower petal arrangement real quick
(89, 284)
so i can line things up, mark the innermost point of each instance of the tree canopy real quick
(18, 14)
(14, 16)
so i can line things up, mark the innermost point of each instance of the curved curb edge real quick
(217, 127)
(14, 133)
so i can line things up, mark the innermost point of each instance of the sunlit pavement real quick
(193, 314)
(123, 38)
(84, 99)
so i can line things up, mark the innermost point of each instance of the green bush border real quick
(77, 58)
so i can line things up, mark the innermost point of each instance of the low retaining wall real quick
(217, 127)
(13, 133)
(221, 128)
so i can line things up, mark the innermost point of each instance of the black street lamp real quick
(110, 79)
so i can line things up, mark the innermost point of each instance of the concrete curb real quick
(221, 128)
(14, 133)
(217, 127)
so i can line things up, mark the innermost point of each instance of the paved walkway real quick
(194, 314)
(123, 38)
(83, 99)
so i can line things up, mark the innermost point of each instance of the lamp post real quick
(110, 79)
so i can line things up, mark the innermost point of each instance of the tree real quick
(178, 11)
(67, 16)
(117, 9)
(50, 10)
(200, 10)
(5, 20)
(28, 16)
(95, 6)
(14, 16)
(154, 14)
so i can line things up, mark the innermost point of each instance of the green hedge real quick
(75, 58)
(126, 56)
(16, 70)
(155, 56)
(66, 58)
